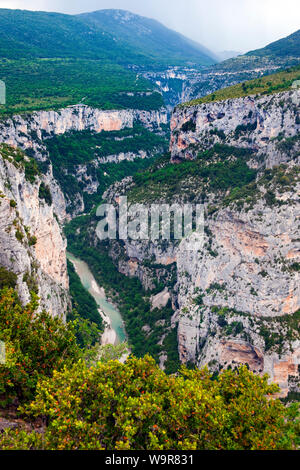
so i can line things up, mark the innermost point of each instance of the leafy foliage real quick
(68, 151)
(137, 406)
(212, 171)
(36, 344)
(288, 46)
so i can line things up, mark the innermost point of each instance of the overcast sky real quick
(239, 25)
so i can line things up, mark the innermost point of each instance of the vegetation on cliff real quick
(114, 36)
(68, 151)
(216, 170)
(35, 344)
(128, 293)
(109, 405)
(274, 83)
(52, 60)
(285, 47)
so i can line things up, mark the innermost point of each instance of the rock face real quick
(237, 299)
(30, 238)
(182, 84)
(29, 131)
(251, 122)
(242, 298)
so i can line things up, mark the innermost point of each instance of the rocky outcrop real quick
(30, 237)
(28, 131)
(259, 123)
(181, 84)
(237, 299)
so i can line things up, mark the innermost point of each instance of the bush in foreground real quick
(35, 343)
(137, 406)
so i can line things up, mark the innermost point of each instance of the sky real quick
(220, 25)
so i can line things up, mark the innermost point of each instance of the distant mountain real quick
(224, 55)
(112, 35)
(29, 34)
(150, 37)
(279, 54)
(286, 47)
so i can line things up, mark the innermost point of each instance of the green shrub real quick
(7, 278)
(189, 126)
(36, 344)
(32, 240)
(45, 193)
(136, 406)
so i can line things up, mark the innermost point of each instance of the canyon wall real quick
(29, 132)
(237, 299)
(32, 245)
(31, 242)
(255, 122)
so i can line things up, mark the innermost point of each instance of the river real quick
(114, 332)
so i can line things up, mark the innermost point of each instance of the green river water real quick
(88, 281)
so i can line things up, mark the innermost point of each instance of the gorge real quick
(233, 149)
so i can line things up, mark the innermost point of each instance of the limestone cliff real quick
(237, 299)
(29, 132)
(259, 123)
(30, 237)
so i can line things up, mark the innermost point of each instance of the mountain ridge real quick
(31, 34)
(143, 27)
(287, 46)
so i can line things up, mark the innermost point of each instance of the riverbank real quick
(114, 332)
